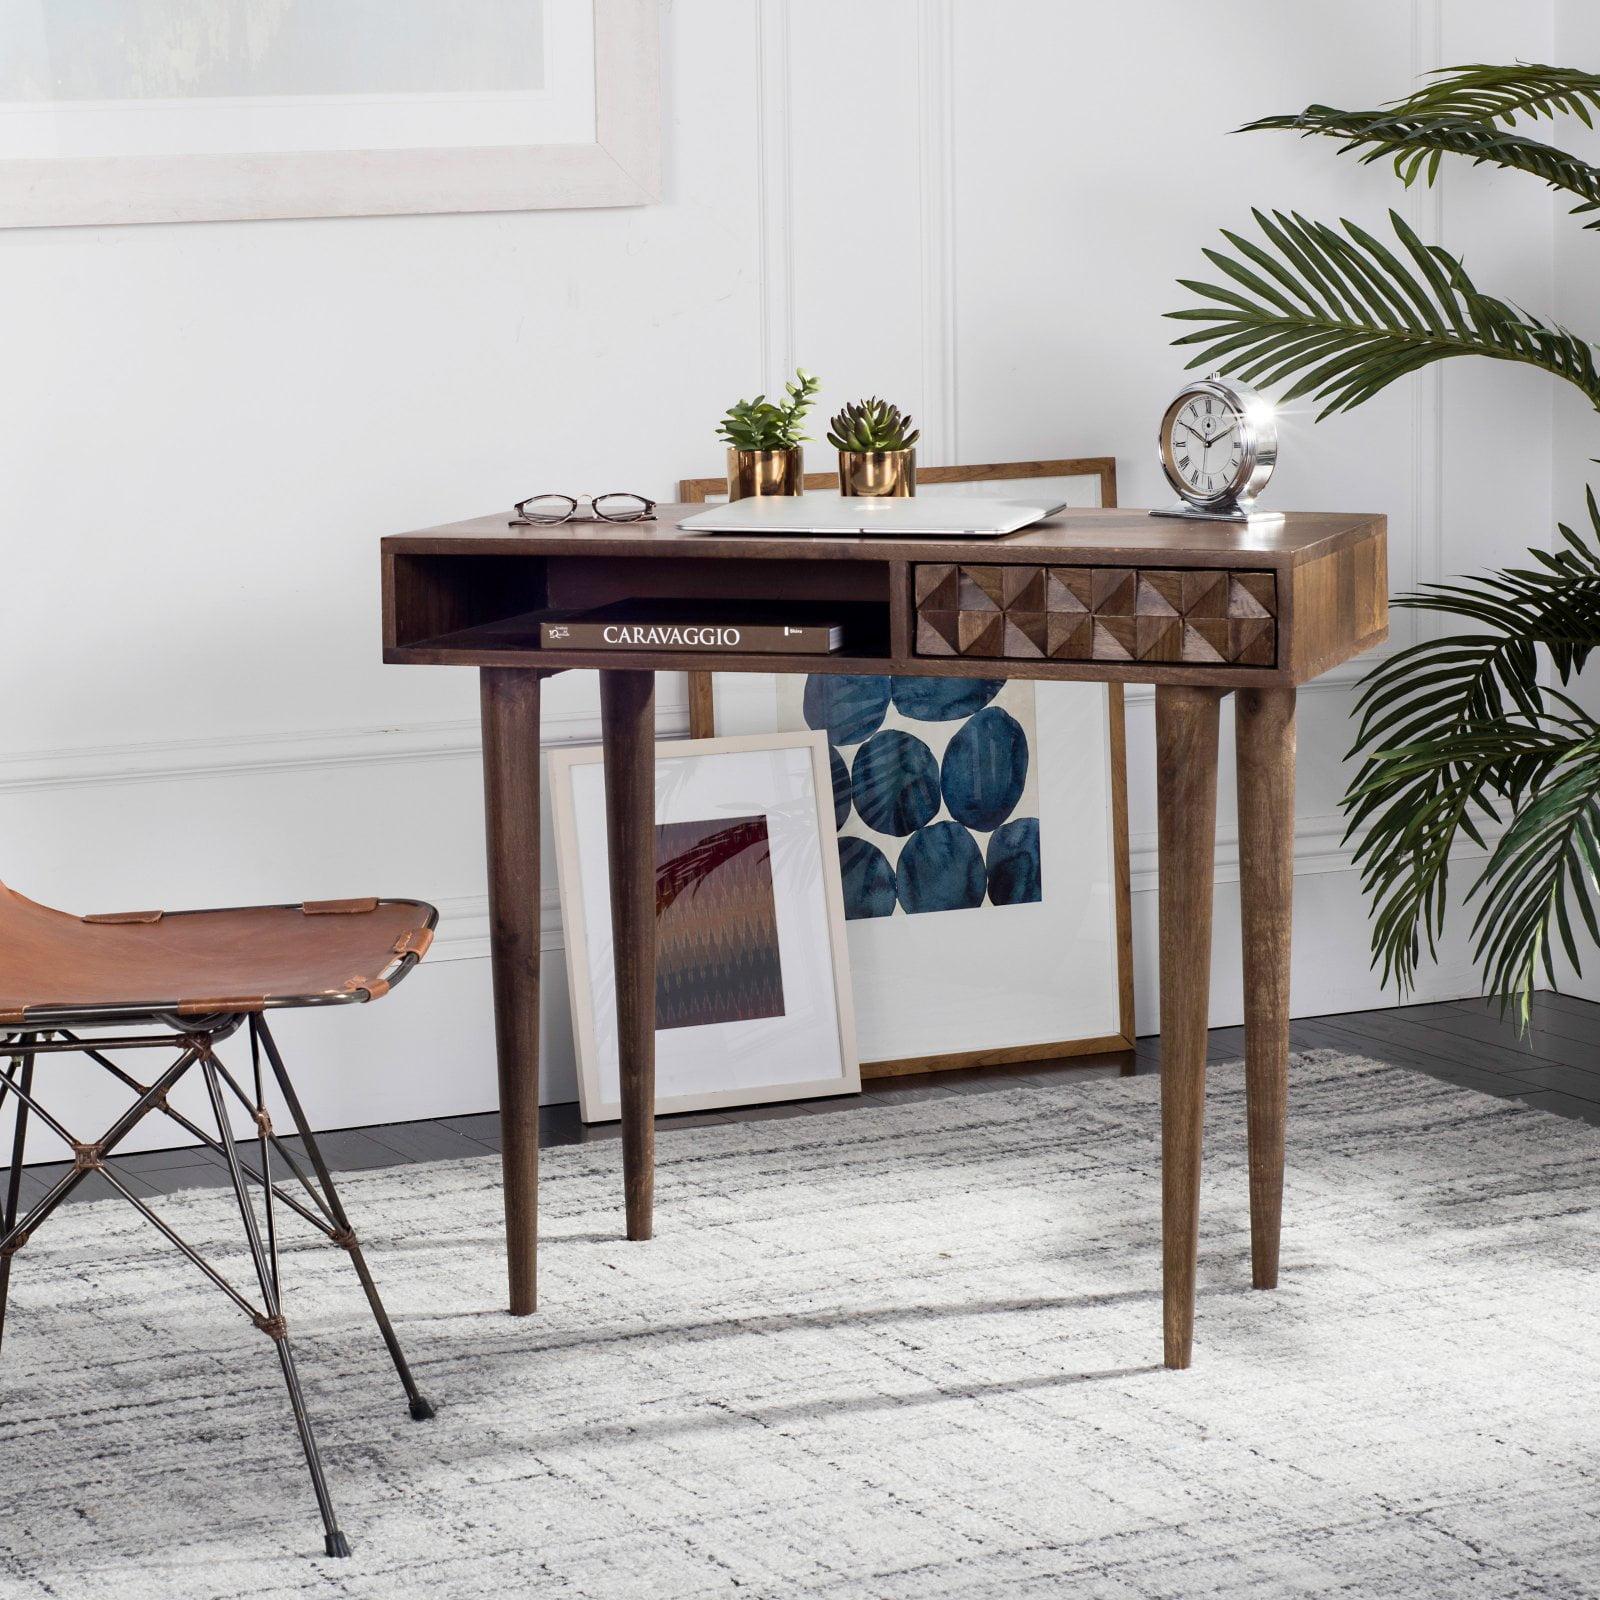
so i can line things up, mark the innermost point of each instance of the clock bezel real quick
(1258, 444)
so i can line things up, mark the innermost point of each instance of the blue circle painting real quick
(845, 706)
(985, 768)
(868, 879)
(941, 869)
(1014, 873)
(943, 699)
(841, 786)
(895, 782)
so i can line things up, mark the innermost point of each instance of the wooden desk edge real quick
(1333, 605)
(1053, 540)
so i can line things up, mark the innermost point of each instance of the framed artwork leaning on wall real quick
(983, 835)
(202, 111)
(753, 994)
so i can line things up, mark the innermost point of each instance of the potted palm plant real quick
(1475, 733)
(765, 454)
(876, 445)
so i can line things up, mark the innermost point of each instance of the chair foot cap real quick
(338, 1545)
(422, 1409)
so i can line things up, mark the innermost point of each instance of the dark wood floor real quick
(1555, 1066)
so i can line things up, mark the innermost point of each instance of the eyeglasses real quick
(544, 510)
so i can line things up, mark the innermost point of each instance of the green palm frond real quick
(1418, 144)
(1471, 736)
(1503, 93)
(1416, 800)
(1546, 863)
(1459, 732)
(1343, 316)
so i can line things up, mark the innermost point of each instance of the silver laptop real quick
(933, 517)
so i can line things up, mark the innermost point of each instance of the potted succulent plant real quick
(875, 443)
(764, 440)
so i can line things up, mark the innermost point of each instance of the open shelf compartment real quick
(482, 605)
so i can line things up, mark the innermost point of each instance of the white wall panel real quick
(977, 210)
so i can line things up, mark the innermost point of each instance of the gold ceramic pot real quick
(753, 472)
(878, 472)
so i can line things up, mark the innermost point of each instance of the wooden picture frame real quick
(702, 724)
(619, 166)
(722, 1050)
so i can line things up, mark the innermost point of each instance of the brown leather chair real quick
(183, 982)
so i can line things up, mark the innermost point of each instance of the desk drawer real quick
(1015, 612)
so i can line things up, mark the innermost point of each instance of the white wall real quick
(978, 209)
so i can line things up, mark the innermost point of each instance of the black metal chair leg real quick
(273, 1323)
(421, 1407)
(19, 1140)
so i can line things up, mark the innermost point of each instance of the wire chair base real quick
(318, 1202)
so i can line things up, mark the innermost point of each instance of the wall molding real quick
(1340, 679)
(1319, 850)
(936, 200)
(774, 194)
(310, 749)
(1424, 205)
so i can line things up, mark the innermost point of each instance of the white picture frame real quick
(925, 982)
(992, 983)
(782, 1028)
(614, 161)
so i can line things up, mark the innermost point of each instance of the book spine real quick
(720, 638)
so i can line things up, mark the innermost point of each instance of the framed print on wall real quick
(753, 993)
(983, 837)
(122, 111)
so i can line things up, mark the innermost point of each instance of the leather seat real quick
(195, 963)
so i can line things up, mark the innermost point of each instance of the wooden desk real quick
(1197, 609)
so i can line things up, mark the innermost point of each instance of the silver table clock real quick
(1218, 445)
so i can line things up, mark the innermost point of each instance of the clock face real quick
(1204, 446)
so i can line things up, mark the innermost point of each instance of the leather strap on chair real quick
(233, 1002)
(376, 988)
(414, 941)
(123, 916)
(338, 908)
(14, 1015)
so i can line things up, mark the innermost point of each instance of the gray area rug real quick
(893, 1353)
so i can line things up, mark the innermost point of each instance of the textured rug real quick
(893, 1353)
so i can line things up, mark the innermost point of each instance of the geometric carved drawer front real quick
(1015, 613)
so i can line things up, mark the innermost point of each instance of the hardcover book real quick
(634, 627)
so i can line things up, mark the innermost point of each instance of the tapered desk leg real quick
(1186, 804)
(510, 708)
(1264, 724)
(628, 726)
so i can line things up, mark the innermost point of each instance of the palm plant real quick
(1471, 733)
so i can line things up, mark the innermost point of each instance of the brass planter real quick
(878, 472)
(754, 472)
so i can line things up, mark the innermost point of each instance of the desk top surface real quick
(1285, 539)
(1103, 594)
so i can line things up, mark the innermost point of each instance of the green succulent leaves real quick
(872, 424)
(760, 424)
